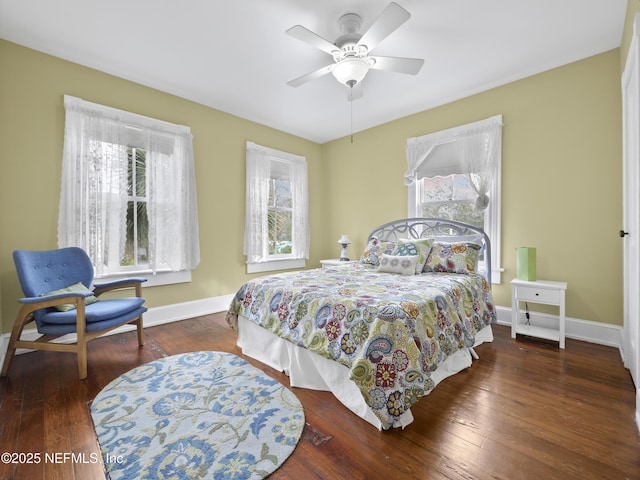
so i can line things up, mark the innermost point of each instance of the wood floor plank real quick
(525, 410)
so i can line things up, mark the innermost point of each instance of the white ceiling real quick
(234, 56)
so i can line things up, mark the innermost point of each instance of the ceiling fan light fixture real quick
(350, 52)
(351, 70)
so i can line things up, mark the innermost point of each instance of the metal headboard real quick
(434, 227)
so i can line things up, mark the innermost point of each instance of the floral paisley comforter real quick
(391, 331)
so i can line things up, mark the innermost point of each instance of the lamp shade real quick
(344, 239)
(526, 263)
(351, 70)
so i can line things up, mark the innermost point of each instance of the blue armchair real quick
(57, 297)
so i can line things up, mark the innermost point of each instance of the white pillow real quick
(402, 264)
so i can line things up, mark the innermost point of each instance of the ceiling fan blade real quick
(355, 92)
(313, 39)
(296, 82)
(389, 20)
(410, 66)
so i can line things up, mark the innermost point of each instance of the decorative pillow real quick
(78, 287)
(402, 264)
(471, 238)
(417, 247)
(453, 257)
(375, 249)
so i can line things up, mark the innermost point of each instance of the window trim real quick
(259, 259)
(276, 264)
(153, 280)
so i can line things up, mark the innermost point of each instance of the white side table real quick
(542, 292)
(332, 262)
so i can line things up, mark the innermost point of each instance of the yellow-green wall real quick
(561, 178)
(561, 174)
(32, 86)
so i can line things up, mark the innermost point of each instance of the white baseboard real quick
(584, 330)
(154, 316)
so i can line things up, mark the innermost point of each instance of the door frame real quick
(631, 210)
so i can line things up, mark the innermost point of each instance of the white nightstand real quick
(332, 262)
(542, 292)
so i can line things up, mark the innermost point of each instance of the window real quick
(137, 223)
(128, 193)
(279, 210)
(276, 226)
(449, 197)
(455, 174)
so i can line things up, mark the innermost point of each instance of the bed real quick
(382, 332)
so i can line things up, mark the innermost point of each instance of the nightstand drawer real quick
(539, 295)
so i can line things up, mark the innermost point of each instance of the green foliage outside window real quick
(452, 198)
(461, 212)
(279, 217)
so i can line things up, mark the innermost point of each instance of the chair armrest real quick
(31, 304)
(100, 288)
(57, 296)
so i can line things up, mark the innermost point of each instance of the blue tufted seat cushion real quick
(99, 315)
(96, 312)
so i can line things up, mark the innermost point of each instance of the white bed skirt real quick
(307, 369)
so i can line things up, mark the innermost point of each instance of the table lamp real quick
(344, 241)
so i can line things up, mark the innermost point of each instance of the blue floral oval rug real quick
(196, 415)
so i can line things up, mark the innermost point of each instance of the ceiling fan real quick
(351, 51)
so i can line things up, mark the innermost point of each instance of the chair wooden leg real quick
(140, 331)
(138, 288)
(82, 360)
(8, 358)
(21, 320)
(81, 330)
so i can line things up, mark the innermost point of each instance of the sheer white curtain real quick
(299, 194)
(257, 199)
(258, 175)
(94, 193)
(172, 205)
(422, 162)
(471, 149)
(93, 197)
(480, 156)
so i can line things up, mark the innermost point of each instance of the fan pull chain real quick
(351, 110)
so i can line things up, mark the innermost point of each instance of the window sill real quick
(275, 265)
(496, 275)
(160, 278)
(496, 272)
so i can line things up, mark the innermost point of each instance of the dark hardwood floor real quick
(525, 410)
